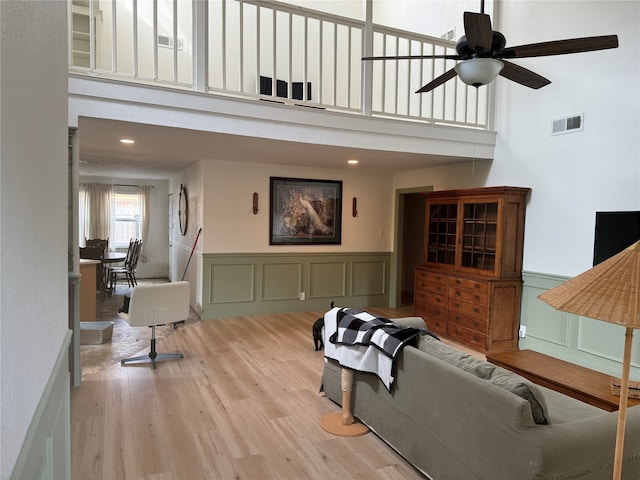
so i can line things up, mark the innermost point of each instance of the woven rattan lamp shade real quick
(610, 291)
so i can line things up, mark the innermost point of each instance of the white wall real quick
(432, 17)
(186, 250)
(574, 175)
(33, 211)
(156, 245)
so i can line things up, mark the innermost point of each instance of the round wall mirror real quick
(183, 209)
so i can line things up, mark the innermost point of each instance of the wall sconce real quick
(354, 207)
(255, 203)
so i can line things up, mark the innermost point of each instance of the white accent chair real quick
(153, 305)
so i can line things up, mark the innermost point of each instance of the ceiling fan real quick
(483, 55)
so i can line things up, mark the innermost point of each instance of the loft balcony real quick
(248, 61)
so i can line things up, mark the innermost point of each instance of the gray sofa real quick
(455, 417)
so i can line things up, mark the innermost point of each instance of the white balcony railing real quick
(270, 51)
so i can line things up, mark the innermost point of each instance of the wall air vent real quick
(567, 124)
(167, 42)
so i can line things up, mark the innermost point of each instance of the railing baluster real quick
(335, 65)
(349, 67)
(135, 38)
(241, 42)
(175, 41)
(384, 73)
(155, 41)
(305, 56)
(224, 44)
(321, 57)
(114, 37)
(274, 50)
(290, 71)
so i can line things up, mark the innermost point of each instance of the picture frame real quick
(305, 211)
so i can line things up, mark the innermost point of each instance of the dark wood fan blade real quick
(414, 57)
(560, 47)
(436, 82)
(523, 76)
(477, 28)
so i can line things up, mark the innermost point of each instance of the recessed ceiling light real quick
(127, 140)
(352, 162)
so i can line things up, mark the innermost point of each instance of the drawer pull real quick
(476, 297)
(476, 310)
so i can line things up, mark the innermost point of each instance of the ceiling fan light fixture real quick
(479, 71)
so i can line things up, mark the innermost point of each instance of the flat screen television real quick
(615, 231)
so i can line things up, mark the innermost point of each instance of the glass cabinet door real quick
(480, 226)
(442, 233)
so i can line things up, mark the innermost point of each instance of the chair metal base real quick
(147, 358)
(153, 356)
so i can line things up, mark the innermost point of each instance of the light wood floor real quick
(242, 404)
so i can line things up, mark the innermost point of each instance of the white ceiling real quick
(160, 151)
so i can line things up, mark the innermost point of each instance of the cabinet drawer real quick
(475, 285)
(430, 298)
(427, 286)
(431, 282)
(474, 323)
(431, 276)
(470, 308)
(437, 326)
(466, 336)
(430, 312)
(472, 296)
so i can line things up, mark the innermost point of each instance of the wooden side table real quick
(573, 380)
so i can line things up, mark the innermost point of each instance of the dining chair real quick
(134, 263)
(126, 269)
(97, 242)
(154, 305)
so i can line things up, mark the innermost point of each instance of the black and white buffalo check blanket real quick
(365, 343)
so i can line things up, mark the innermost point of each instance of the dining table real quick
(114, 257)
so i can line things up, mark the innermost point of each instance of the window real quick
(127, 219)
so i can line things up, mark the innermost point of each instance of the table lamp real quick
(610, 292)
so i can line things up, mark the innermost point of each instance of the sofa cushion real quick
(498, 376)
(516, 384)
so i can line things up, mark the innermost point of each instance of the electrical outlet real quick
(523, 331)
(302, 296)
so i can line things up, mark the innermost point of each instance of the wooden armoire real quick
(468, 289)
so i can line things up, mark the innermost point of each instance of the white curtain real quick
(144, 203)
(96, 206)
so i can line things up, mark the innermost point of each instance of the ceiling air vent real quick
(567, 124)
